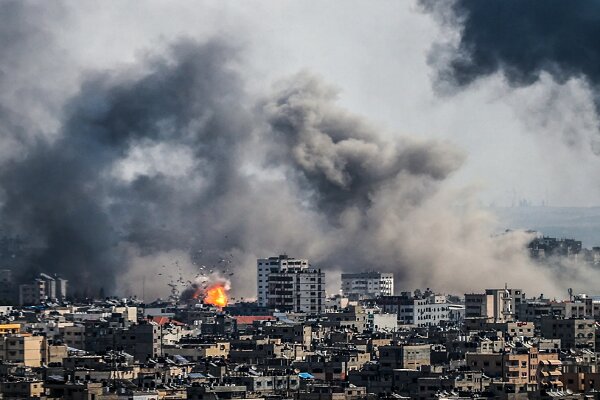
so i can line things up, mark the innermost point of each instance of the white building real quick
(290, 285)
(266, 266)
(56, 287)
(61, 288)
(431, 310)
(367, 284)
(421, 310)
(50, 286)
(384, 322)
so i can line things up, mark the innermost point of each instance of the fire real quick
(216, 295)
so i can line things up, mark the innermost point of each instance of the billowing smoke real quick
(552, 44)
(522, 39)
(33, 74)
(337, 156)
(137, 162)
(171, 157)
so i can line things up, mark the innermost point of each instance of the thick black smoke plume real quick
(551, 44)
(522, 38)
(67, 195)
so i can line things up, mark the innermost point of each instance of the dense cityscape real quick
(369, 341)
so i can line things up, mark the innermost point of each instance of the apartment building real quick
(24, 349)
(367, 285)
(266, 266)
(573, 333)
(44, 287)
(32, 293)
(297, 290)
(515, 367)
(405, 356)
(428, 310)
(498, 305)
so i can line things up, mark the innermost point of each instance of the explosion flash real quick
(216, 295)
(211, 290)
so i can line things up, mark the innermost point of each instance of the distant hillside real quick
(581, 223)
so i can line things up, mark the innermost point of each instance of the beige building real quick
(73, 336)
(23, 349)
(197, 352)
(550, 375)
(407, 356)
(55, 353)
(22, 389)
(516, 367)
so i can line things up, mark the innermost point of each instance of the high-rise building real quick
(61, 288)
(290, 285)
(50, 285)
(45, 287)
(297, 290)
(367, 285)
(266, 266)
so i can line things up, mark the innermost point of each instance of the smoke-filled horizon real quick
(115, 172)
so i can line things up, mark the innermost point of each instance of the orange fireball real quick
(216, 295)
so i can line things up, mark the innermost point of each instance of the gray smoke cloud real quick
(65, 193)
(31, 84)
(170, 156)
(336, 155)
